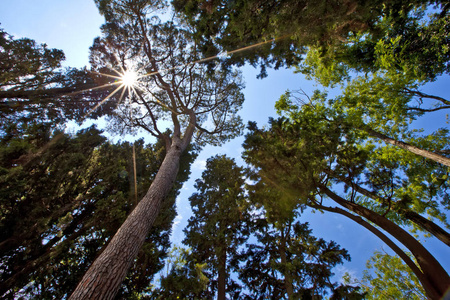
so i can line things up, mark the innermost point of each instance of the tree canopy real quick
(287, 28)
(61, 207)
(33, 85)
(175, 99)
(78, 209)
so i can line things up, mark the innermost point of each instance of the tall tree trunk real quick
(414, 217)
(222, 271)
(103, 279)
(416, 150)
(287, 274)
(409, 262)
(434, 273)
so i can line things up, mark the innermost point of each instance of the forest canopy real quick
(83, 217)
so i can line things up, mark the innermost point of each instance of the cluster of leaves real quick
(413, 42)
(391, 278)
(288, 27)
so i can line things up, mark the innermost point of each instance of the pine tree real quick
(219, 222)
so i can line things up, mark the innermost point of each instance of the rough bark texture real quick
(424, 153)
(103, 279)
(434, 273)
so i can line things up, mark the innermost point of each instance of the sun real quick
(129, 78)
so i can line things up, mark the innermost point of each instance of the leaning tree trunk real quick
(413, 216)
(409, 262)
(428, 225)
(103, 279)
(416, 150)
(433, 272)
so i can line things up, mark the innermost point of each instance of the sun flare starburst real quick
(129, 78)
(128, 81)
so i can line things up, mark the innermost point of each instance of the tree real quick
(392, 279)
(199, 105)
(296, 156)
(286, 28)
(288, 262)
(399, 180)
(60, 209)
(34, 86)
(219, 224)
(186, 278)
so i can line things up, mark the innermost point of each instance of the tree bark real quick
(429, 226)
(222, 271)
(414, 217)
(287, 274)
(433, 272)
(416, 150)
(409, 262)
(103, 279)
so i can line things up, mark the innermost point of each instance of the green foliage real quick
(62, 198)
(388, 277)
(34, 86)
(219, 222)
(319, 142)
(288, 254)
(186, 278)
(407, 42)
(288, 26)
(25, 64)
(406, 52)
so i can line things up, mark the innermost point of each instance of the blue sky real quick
(71, 25)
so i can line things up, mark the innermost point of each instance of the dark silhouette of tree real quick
(288, 262)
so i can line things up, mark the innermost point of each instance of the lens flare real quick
(129, 78)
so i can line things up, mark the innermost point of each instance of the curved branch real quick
(379, 234)
(422, 95)
(435, 274)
